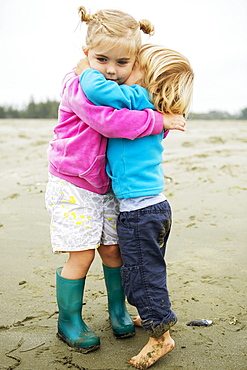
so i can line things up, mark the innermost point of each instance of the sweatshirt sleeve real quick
(101, 91)
(110, 122)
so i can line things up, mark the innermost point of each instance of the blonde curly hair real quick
(168, 77)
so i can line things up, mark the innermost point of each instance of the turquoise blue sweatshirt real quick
(134, 166)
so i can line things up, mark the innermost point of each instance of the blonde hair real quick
(114, 27)
(168, 77)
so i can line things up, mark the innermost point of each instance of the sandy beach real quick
(206, 185)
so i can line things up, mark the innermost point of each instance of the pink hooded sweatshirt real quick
(77, 153)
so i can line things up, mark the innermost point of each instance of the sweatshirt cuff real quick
(159, 124)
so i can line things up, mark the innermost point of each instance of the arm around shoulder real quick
(101, 91)
(110, 122)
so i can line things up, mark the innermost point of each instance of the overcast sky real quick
(39, 44)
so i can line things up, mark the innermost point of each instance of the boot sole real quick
(122, 336)
(78, 349)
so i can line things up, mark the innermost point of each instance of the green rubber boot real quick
(71, 327)
(122, 324)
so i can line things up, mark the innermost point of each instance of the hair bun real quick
(146, 26)
(85, 17)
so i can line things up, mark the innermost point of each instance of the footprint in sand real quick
(215, 140)
(187, 144)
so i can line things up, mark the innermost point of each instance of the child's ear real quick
(85, 50)
(135, 66)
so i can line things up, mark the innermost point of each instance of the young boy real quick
(137, 177)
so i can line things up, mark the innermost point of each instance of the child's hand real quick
(82, 66)
(174, 122)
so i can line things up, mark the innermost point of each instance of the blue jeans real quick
(143, 236)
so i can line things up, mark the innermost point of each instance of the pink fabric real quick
(78, 151)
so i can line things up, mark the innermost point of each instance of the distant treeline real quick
(46, 109)
(49, 109)
(213, 115)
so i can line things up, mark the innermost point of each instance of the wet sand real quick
(206, 184)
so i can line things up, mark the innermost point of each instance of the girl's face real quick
(114, 64)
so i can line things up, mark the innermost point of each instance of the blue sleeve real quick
(101, 91)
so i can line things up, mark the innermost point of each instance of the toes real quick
(135, 364)
(137, 321)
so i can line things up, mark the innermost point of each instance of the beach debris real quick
(12, 196)
(234, 321)
(168, 179)
(201, 322)
(22, 282)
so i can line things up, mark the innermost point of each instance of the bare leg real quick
(110, 255)
(78, 264)
(153, 351)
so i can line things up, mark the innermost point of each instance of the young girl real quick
(83, 210)
(138, 181)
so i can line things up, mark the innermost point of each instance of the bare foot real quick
(137, 321)
(153, 351)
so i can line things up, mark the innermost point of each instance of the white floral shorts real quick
(80, 219)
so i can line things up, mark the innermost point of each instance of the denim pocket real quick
(125, 221)
(133, 286)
